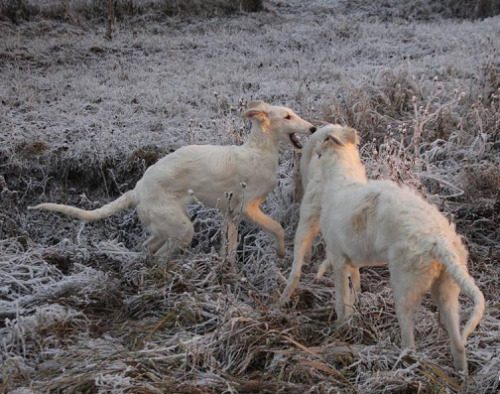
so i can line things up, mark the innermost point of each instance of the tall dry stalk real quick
(111, 19)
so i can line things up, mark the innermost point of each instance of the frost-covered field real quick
(84, 310)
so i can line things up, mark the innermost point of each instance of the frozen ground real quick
(83, 310)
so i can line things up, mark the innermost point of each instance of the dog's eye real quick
(288, 117)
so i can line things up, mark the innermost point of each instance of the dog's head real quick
(337, 138)
(282, 122)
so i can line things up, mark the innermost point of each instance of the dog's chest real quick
(254, 162)
(260, 176)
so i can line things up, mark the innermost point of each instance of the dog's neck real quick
(262, 139)
(343, 167)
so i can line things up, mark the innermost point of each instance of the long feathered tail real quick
(458, 271)
(124, 201)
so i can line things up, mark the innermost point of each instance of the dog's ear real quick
(325, 146)
(351, 135)
(255, 114)
(332, 138)
(257, 104)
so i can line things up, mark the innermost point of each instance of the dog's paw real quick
(284, 299)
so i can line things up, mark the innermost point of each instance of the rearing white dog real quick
(366, 223)
(235, 179)
(310, 211)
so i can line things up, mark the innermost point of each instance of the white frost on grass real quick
(87, 310)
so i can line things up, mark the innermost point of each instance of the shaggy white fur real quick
(366, 223)
(235, 179)
(310, 211)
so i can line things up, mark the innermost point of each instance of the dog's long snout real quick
(313, 129)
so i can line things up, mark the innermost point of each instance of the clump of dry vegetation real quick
(82, 10)
(84, 310)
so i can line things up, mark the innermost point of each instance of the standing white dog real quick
(235, 179)
(310, 211)
(367, 223)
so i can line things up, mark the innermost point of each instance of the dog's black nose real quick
(313, 129)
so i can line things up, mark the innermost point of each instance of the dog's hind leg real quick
(169, 224)
(445, 294)
(180, 237)
(409, 283)
(152, 244)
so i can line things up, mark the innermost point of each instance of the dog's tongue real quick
(295, 141)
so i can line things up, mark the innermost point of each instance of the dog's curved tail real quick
(124, 201)
(454, 258)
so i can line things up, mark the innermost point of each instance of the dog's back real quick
(206, 170)
(216, 175)
(376, 215)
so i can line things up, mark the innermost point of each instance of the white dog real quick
(310, 211)
(367, 223)
(235, 179)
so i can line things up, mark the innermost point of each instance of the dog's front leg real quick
(252, 212)
(344, 294)
(307, 230)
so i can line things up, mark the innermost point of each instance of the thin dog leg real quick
(170, 224)
(152, 244)
(408, 286)
(307, 229)
(174, 244)
(344, 294)
(445, 294)
(304, 236)
(354, 271)
(322, 268)
(353, 287)
(353, 284)
(252, 212)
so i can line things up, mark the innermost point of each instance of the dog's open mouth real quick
(295, 141)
